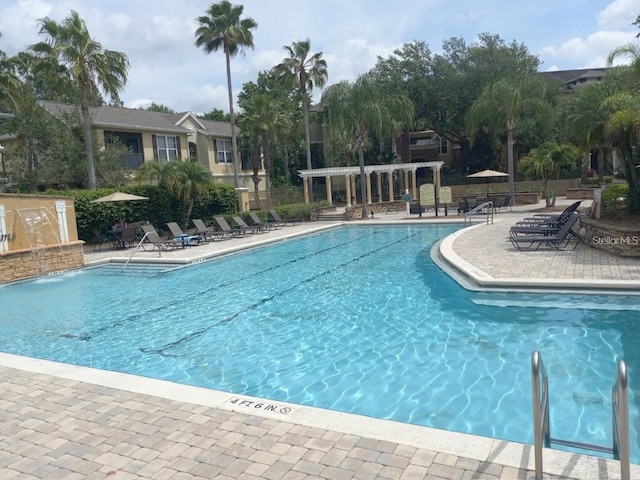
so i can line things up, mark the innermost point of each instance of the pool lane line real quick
(187, 338)
(88, 336)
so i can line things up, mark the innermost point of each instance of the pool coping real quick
(475, 447)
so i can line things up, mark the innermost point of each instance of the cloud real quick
(618, 15)
(589, 52)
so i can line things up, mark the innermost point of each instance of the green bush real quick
(607, 179)
(614, 199)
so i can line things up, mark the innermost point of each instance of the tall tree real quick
(222, 28)
(307, 71)
(364, 109)
(499, 107)
(546, 162)
(9, 82)
(263, 114)
(68, 47)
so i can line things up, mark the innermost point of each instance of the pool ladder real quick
(542, 430)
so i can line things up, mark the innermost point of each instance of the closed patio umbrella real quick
(488, 174)
(118, 197)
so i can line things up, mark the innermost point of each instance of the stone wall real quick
(580, 193)
(20, 264)
(614, 239)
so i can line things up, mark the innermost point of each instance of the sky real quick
(167, 68)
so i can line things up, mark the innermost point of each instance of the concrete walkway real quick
(61, 421)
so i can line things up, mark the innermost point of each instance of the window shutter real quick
(154, 144)
(178, 147)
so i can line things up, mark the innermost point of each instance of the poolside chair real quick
(236, 232)
(559, 240)
(288, 222)
(152, 238)
(185, 238)
(207, 234)
(551, 218)
(257, 221)
(128, 237)
(504, 204)
(249, 228)
(542, 228)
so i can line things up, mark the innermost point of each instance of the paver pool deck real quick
(62, 421)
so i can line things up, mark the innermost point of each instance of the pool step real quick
(135, 269)
(332, 216)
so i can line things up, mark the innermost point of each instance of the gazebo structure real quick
(351, 172)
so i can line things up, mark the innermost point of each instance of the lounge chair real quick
(558, 240)
(208, 235)
(235, 232)
(151, 237)
(551, 218)
(249, 228)
(542, 228)
(288, 222)
(128, 237)
(257, 221)
(185, 238)
(504, 204)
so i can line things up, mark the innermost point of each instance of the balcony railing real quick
(425, 143)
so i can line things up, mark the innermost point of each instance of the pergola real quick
(351, 172)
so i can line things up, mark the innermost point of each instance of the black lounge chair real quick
(504, 204)
(257, 221)
(542, 228)
(186, 239)
(558, 240)
(551, 218)
(206, 234)
(249, 228)
(152, 238)
(236, 232)
(288, 222)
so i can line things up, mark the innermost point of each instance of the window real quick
(444, 146)
(166, 148)
(224, 151)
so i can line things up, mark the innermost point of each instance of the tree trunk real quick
(88, 139)
(363, 182)
(189, 210)
(267, 159)
(307, 137)
(510, 162)
(232, 116)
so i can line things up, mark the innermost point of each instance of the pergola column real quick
(406, 179)
(305, 185)
(379, 182)
(390, 182)
(353, 189)
(329, 194)
(414, 184)
(367, 177)
(347, 182)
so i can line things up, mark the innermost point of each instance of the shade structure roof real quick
(118, 197)
(355, 170)
(488, 174)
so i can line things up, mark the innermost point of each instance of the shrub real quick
(614, 199)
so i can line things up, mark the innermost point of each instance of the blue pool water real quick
(356, 319)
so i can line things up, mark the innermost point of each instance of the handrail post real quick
(537, 414)
(620, 414)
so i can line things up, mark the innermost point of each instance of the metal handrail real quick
(489, 212)
(541, 426)
(144, 237)
(620, 414)
(541, 433)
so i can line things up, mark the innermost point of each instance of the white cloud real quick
(619, 14)
(588, 52)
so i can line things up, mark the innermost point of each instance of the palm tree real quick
(68, 46)
(186, 182)
(308, 72)
(9, 82)
(222, 27)
(545, 162)
(264, 114)
(499, 106)
(363, 109)
(630, 51)
(156, 171)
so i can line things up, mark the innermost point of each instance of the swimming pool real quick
(356, 319)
